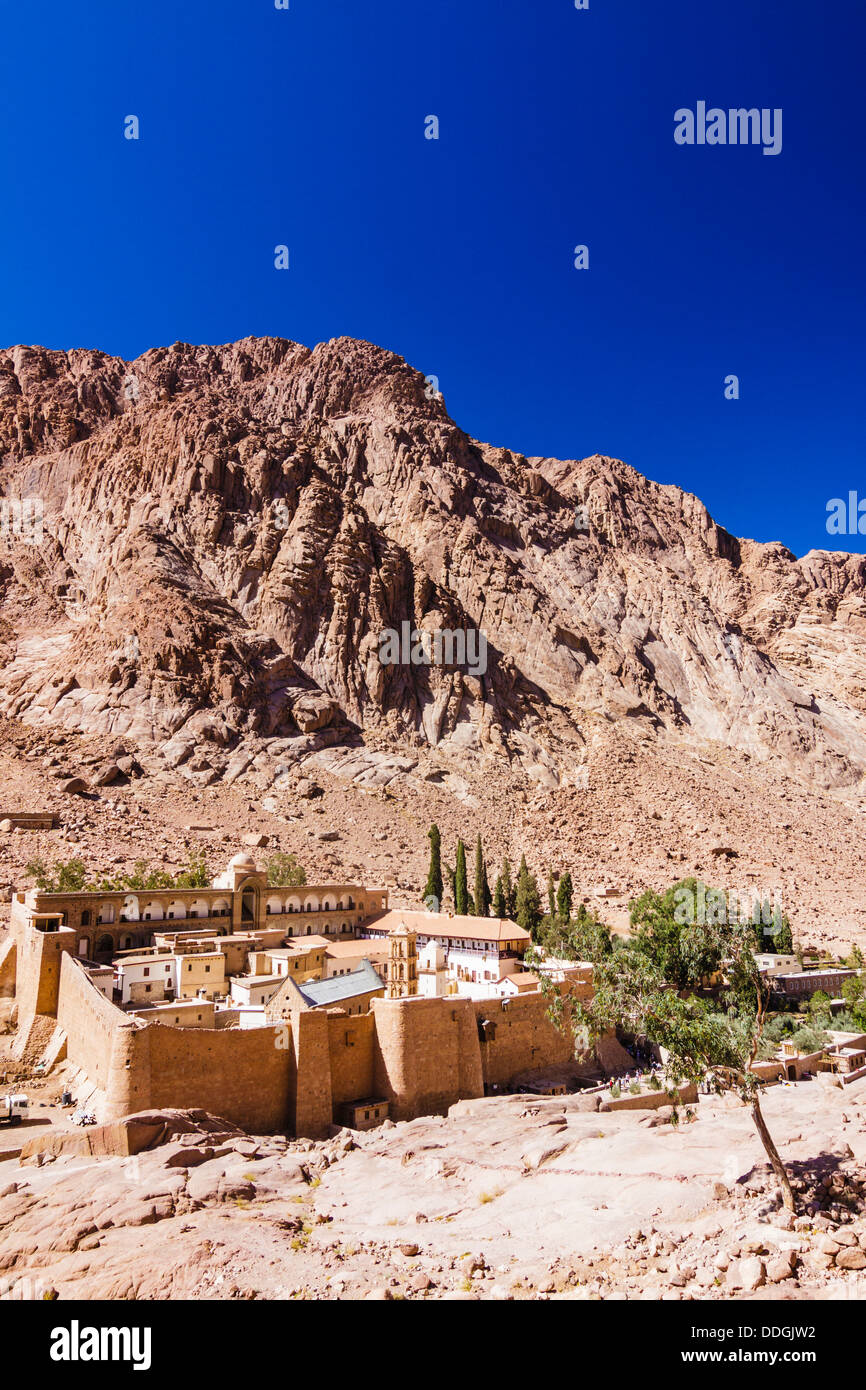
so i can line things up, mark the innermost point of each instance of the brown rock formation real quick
(228, 530)
(226, 533)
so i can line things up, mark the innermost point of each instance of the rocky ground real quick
(508, 1198)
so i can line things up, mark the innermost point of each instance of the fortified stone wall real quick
(92, 1026)
(421, 1055)
(309, 1079)
(39, 956)
(352, 1050)
(525, 1038)
(239, 1074)
(8, 958)
(427, 1054)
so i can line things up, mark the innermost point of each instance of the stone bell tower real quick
(401, 968)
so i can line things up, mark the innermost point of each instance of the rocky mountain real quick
(227, 531)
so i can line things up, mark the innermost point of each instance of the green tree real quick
(772, 929)
(71, 876)
(584, 937)
(854, 992)
(508, 890)
(284, 871)
(819, 1007)
(68, 876)
(38, 869)
(784, 938)
(197, 873)
(144, 877)
(482, 887)
(564, 896)
(676, 930)
(810, 1038)
(461, 888)
(434, 887)
(704, 1042)
(551, 897)
(528, 901)
(500, 907)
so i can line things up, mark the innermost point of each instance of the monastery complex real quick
(286, 1009)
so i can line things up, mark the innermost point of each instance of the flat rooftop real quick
(258, 979)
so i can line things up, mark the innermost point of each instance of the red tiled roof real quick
(496, 929)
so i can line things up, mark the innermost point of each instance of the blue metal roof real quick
(361, 981)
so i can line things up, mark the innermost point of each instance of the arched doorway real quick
(249, 904)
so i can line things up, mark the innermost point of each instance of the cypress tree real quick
(507, 890)
(528, 901)
(433, 888)
(461, 887)
(551, 901)
(482, 887)
(564, 896)
(499, 904)
(452, 882)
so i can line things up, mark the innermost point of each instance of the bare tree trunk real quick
(773, 1155)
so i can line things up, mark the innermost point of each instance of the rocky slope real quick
(228, 530)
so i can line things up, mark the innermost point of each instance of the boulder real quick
(109, 772)
(851, 1258)
(308, 790)
(780, 1267)
(843, 1237)
(748, 1274)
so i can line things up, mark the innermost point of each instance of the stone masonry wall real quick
(427, 1054)
(525, 1040)
(351, 1046)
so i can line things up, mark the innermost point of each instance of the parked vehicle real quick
(14, 1109)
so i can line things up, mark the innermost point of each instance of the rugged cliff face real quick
(227, 531)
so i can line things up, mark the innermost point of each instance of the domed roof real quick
(242, 861)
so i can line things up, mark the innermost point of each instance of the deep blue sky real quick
(306, 127)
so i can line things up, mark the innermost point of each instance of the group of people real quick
(624, 1081)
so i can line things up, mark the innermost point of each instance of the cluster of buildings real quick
(277, 1008)
(220, 957)
(299, 1007)
(792, 982)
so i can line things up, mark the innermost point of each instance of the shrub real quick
(284, 871)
